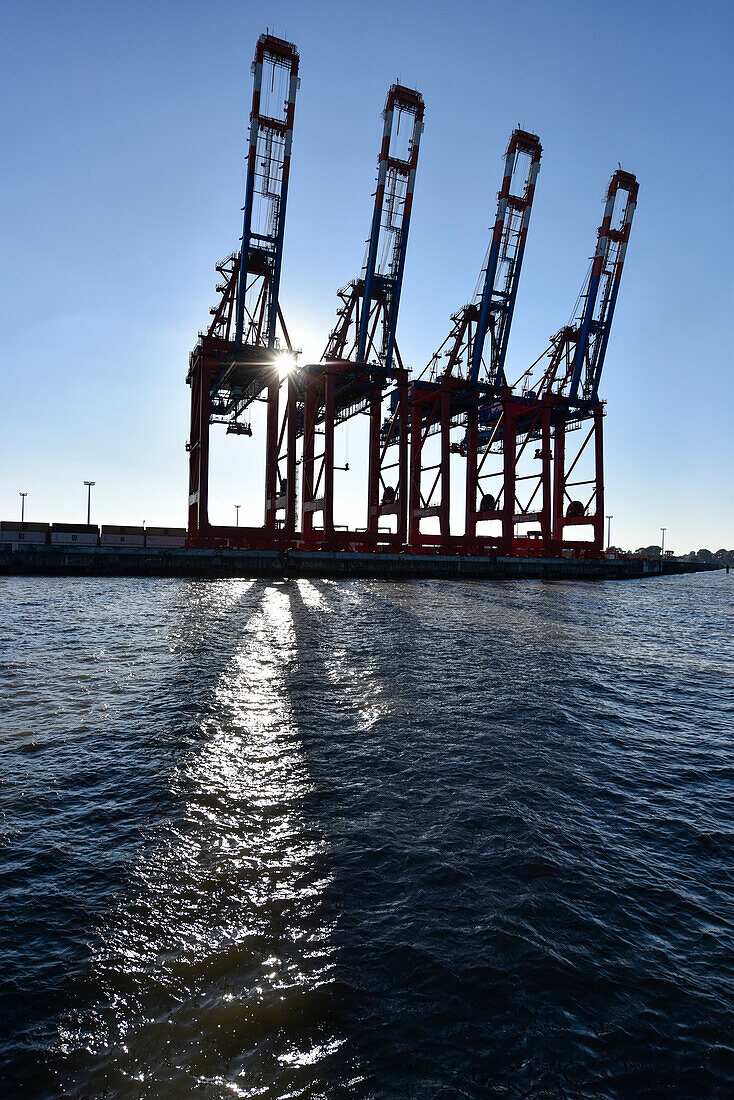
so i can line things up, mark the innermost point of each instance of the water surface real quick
(324, 839)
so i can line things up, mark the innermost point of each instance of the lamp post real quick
(22, 507)
(609, 531)
(89, 485)
(237, 514)
(662, 547)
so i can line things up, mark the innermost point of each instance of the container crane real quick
(520, 470)
(361, 358)
(246, 353)
(458, 390)
(566, 394)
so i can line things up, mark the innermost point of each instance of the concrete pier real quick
(118, 561)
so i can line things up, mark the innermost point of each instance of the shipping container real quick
(23, 533)
(165, 537)
(74, 534)
(113, 535)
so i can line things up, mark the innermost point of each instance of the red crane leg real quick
(310, 406)
(599, 475)
(416, 462)
(472, 447)
(280, 491)
(373, 472)
(546, 523)
(198, 446)
(290, 494)
(388, 461)
(328, 461)
(509, 438)
(559, 484)
(318, 469)
(403, 447)
(271, 455)
(444, 518)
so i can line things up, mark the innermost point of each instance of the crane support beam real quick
(387, 474)
(578, 485)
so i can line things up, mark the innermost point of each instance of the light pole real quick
(89, 485)
(662, 548)
(22, 507)
(237, 514)
(609, 531)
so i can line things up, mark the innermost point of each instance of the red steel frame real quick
(585, 506)
(388, 438)
(317, 389)
(387, 474)
(520, 427)
(523, 431)
(209, 359)
(280, 450)
(430, 414)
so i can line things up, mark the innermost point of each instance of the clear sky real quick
(124, 128)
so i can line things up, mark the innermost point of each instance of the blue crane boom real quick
(383, 273)
(275, 70)
(504, 258)
(494, 298)
(599, 296)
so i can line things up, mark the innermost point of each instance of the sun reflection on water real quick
(211, 967)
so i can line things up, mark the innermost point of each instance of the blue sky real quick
(124, 128)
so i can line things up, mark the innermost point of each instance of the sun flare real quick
(285, 361)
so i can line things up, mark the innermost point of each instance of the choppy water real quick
(317, 839)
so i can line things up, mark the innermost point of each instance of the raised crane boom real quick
(504, 258)
(494, 298)
(599, 296)
(388, 240)
(275, 69)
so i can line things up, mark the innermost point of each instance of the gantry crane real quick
(570, 382)
(246, 356)
(246, 353)
(463, 387)
(361, 359)
(559, 395)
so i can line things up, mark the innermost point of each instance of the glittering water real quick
(317, 839)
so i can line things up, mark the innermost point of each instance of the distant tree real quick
(721, 556)
(648, 552)
(704, 555)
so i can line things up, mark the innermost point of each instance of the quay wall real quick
(126, 561)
